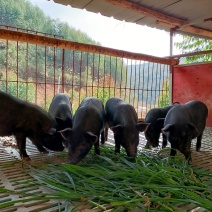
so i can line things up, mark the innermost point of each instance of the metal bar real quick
(80, 75)
(45, 71)
(36, 74)
(17, 69)
(27, 69)
(190, 54)
(171, 67)
(98, 75)
(54, 71)
(63, 68)
(64, 44)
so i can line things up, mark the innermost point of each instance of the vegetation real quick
(118, 183)
(163, 100)
(194, 44)
(18, 88)
(35, 62)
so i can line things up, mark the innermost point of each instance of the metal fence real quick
(36, 66)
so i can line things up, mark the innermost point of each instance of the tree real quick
(194, 44)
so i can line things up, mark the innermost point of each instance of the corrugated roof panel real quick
(102, 7)
(74, 3)
(186, 11)
(158, 5)
(163, 14)
(128, 16)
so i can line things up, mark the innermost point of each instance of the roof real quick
(183, 16)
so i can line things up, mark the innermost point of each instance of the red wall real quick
(193, 82)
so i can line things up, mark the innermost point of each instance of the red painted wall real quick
(193, 82)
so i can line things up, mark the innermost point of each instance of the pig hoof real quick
(198, 149)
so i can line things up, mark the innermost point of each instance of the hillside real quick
(147, 76)
(23, 14)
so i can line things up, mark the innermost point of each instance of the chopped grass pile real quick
(117, 183)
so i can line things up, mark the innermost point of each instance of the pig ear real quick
(193, 128)
(142, 126)
(160, 122)
(66, 133)
(116, 129)
(93, 138)
(167, 128)
(51, 131)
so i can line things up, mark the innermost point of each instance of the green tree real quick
(194, 44)
(163, 99)
(15, 87)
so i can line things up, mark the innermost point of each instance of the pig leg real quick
(96, 147)
(41, 148)
(164, 143)
(106, 133)
(103, 137)
(173, 151)
(147, 146)
(117, 147)
(21, 142)
(198, 144)
(187, 155)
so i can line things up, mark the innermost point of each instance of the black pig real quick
(155, 117)
(183, 123)
(122, 119)
(60, 110)
(23, 119)
(88, 124)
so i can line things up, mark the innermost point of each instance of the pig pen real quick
(12, 171)
(79, 70)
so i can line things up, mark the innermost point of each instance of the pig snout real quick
(185, 148)
(72, 161)
(131, 151)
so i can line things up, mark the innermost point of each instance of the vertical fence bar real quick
(80, 76)
(63, 68)
(6, 74)
(45, 71)
(54, 70)
(27, 69)
(156, 86)
(17, 59)
(99, 85)
(114, 83)
(109, 80)
(125, 85)
(73, 75)
(138, 86)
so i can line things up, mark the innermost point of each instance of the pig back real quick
(90, 116)
(156, 113)
(198, 113)
(194, 112)
(120, 112)
(23, 115)
(61, 107)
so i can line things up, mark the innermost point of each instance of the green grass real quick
(117, 183)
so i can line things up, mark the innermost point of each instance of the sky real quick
(110, 32)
